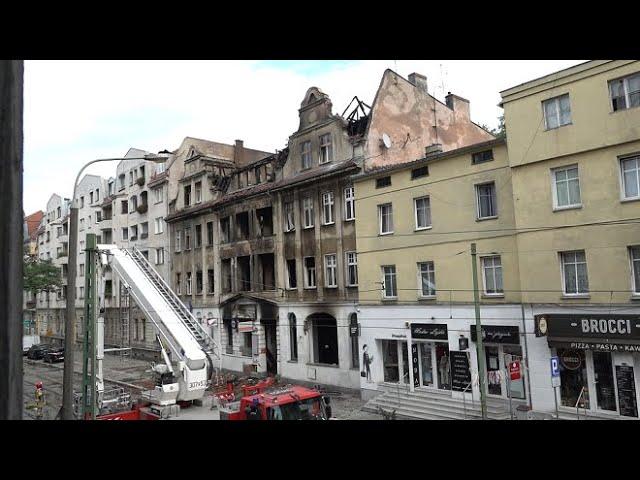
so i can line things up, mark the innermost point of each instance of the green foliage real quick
(499, 132)
(41, 275)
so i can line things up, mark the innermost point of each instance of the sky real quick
(77, 111)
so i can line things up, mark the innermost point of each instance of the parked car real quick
(54, 355)
(37, 352)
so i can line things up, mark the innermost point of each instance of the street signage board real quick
(555, 372)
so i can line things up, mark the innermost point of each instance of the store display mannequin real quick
(444, 368)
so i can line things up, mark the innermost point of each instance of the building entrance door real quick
(603, 379)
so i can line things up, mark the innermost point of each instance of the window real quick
(330, 279)
(198, 187)
(160, 167)
(81, 224)
(566, 191)
(187, 195)
(557, 112)
(630, 172)
(187, 238)
(574, 273)
(210, 281)
(97, 195)
(81, 270)
(349, 204)
(487, 206)
(634, 253)
(59, 212)
(133, 204)
(121, 178)
(81, 292)
(125, 206)
(492, 275)
(178, 286)
(293, 337)
(289, 221)
(385, 215)
(159, 256)
(310, 272)
(422, 213)
(352, 269)
(307, 209)
(158, 194)
(59, 232)
(291, 273)
(481, 157)
(209, 233)
(98, 217)
(90, 198)
(199, 283)
(225, 229)
(134, 232)
(130, 178)
(419, 172)
(144, 230)
(305, 153)
(188, 283)
(198, 236)
(178, 238)
(427, 276)
(327, 208)
(159, 225)
(326, 148)
(390, 289)
(625, 92)
(125, 233)
(383, 182)
(81, 202)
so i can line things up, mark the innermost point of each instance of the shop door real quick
(573, 378)
(494, 375)
(390, 360)
(426, 365)
(603, 378)
(513, 353)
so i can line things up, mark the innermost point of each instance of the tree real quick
(41, 275)
(499, 132)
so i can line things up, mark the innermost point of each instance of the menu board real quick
(626, 391)
(460, 373)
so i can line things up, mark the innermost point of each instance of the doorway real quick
(270, 341)
(603, 379)
(325, 337)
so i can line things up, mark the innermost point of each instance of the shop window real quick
(325, 338)
(293, 338)
(573, 378)
(291, 273)
(605, 385)
(390, 361)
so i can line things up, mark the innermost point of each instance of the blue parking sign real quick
(555, 367)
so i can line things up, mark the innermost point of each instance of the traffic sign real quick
(555, 372)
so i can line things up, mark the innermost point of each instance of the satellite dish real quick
(386, 140)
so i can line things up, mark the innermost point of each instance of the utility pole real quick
(11, 238)
(89, 350)
(482, 381)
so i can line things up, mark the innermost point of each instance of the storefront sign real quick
(460, 373)
(514, 370)
(626, 391)
(605, 328)
(496, 334)
(586, 345)
(570, 360)
(414, 365)
(429, 331)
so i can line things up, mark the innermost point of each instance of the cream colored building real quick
(554, 214)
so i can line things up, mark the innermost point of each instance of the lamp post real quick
(70, 321)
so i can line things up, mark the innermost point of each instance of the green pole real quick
(482, 381)
(89, 350)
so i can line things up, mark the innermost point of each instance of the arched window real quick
(293, 337)
(353, 335)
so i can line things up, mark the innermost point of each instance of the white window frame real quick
(349, 263)
(307, 207)
(349, 199)
(384, 281)
(556, 101)
(625, 87)
(305, 153)
(289, 215)
(178, 241)
(493, 267)
(81, 224)
(554, 189)
(431, 276)
(198, 191)
(286, 264)
(158, 225)
(415, 211)
(331, 270)
(124, 234)
(495, 197)
(189, 277)
(380, 207)
(158, 192)
(327, 201)
(160, 256)
(623, 190)
(326, 148)
(307, 285)
(563, 273)
(635, 289)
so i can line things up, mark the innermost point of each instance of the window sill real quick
(310, 288)
(635, 297)
(579, 296)
(420, 229)
(546, 129)
(622, 109)
(355, 285)
(385, 233)
(289, 231)
(330, 365)
(427, 298)
(482, 219)
(630, 199)
(292, 361)
(492, 295)
(568, 207)
(331, 287)
(350, 219)
(308, 228)
(327, 224)
(389, 299)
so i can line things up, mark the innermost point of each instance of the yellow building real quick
(553, 212)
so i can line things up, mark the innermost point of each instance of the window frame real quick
(330, 203)
(415, 213)
(478, 203)
(635, 289)
(384, 282)
(625, 86)
(178, 244)
(305, 210)
(197, 188)
(380, 207)
(305, 153)
(556, 100)
(563, 274)
(554, 189)
(421, 293)
(379, 181)
(158, 193)
(158, 224)
(327, 146)
(159, 256)
(293, 337)
(289, 287)
(349, 199)
(621, 160)
(475, 156)
(333, 268)
(484, 275)
(348, 264)
(188, 283)
(306, 275)
(286, 211)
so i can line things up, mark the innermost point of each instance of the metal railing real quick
(464, 397)
(577, 405)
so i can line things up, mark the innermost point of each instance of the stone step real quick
(450, 403)
(492, 403)
(441, 411)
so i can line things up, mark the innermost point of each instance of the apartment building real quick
(31, 225)
(553, 214)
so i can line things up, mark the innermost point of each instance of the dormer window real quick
(305, 152)
(326, 148)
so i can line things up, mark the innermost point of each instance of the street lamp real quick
(70, 321)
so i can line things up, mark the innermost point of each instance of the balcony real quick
(142, 208)
(64, 253)
(144, 235)
(140, 181)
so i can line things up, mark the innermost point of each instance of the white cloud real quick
(76, 111)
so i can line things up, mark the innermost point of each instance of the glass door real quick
(426, 365)
(603, 378)
(513, 353)
(494, 376)
(573, 378)
(390, 360)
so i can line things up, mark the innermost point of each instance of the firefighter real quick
(39, 396)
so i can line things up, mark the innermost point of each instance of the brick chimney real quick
(238, 153)
(458, 104)
(419, 81)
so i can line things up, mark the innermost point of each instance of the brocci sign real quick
(594, 326)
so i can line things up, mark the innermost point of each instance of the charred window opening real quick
(199, 285)
(258, 179)
(210, 281)
(244, 273)
(291, 274)
(325, 338)
(225, 274)
(265, 221)
(198, 236)
(242, 226)
(225, 229)
(209, 233)
(267, 263)
(187, 195)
